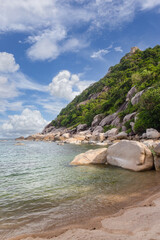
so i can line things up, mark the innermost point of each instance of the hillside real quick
(131, 86)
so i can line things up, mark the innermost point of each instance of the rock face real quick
(98, 130)
(136, 98)
(152, 133)
(97, 156)
(107, 120)
(130, 155)
(97, 119)
(128, 117)
(49, 128)
(81, 127)
(131, 93)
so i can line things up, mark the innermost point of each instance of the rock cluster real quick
(131, 155)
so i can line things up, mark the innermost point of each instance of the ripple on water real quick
(39, 189)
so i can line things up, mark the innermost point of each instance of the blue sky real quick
(51, 50)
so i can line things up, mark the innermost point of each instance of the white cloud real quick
(118, 49)
(10, 106)
(8, 63)
(148, 4)
(99, 54)
(28, 122)
(51, 23)
(7, 89)
(66, 85)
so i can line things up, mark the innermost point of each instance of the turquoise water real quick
(39, 190)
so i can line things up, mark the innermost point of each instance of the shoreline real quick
(97, 228)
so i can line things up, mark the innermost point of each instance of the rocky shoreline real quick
(137, 153)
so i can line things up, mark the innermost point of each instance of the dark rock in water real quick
(20, 138)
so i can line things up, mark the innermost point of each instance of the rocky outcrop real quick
(81, 127)
(97, 119)
(98, 130)
(130, 155)
(152, 133)
(49, 128)
(136, 98)
(129, 117)
(107, 120)
(131, 93)
(97, 156)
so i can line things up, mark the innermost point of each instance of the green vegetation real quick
(141, 69)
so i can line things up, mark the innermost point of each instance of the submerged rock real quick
(130, 155)
(96, 156)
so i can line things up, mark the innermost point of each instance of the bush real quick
(149, 111)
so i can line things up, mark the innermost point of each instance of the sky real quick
(51, 50)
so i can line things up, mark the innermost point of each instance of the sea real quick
(40, 191)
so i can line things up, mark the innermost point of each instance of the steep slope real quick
(132, 86)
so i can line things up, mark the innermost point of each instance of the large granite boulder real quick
(116, 122)
(136, 98)
(97, 119)
(81, 127)
(152, 133)
(96, 156)
(107, 120)
(130, 155)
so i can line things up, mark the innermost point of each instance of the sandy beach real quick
(141, 221)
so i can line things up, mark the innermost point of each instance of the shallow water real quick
(39, 190)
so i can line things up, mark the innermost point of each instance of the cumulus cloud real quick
(29, 122)
(8, 63)
(99, 54)
(66, 85)
(53, 23)
(118, 49)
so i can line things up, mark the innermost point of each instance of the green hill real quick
(138, 69)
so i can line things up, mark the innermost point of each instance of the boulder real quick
(98, 130)
(144, 135)
(121, 135)
(79, 137)
(107, 120)
(66, 135)
(129, 117)
(81, 127)
(111, 133)
(116, 122)
(97, 119)
(96, 156)
(49, 128)
(101, 137)
(131, 155)
(131, 93)
(136, 98)
(157, 163)
(152, 133)
(132, 124)
(157, 150)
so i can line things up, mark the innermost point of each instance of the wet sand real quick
(140, 219)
